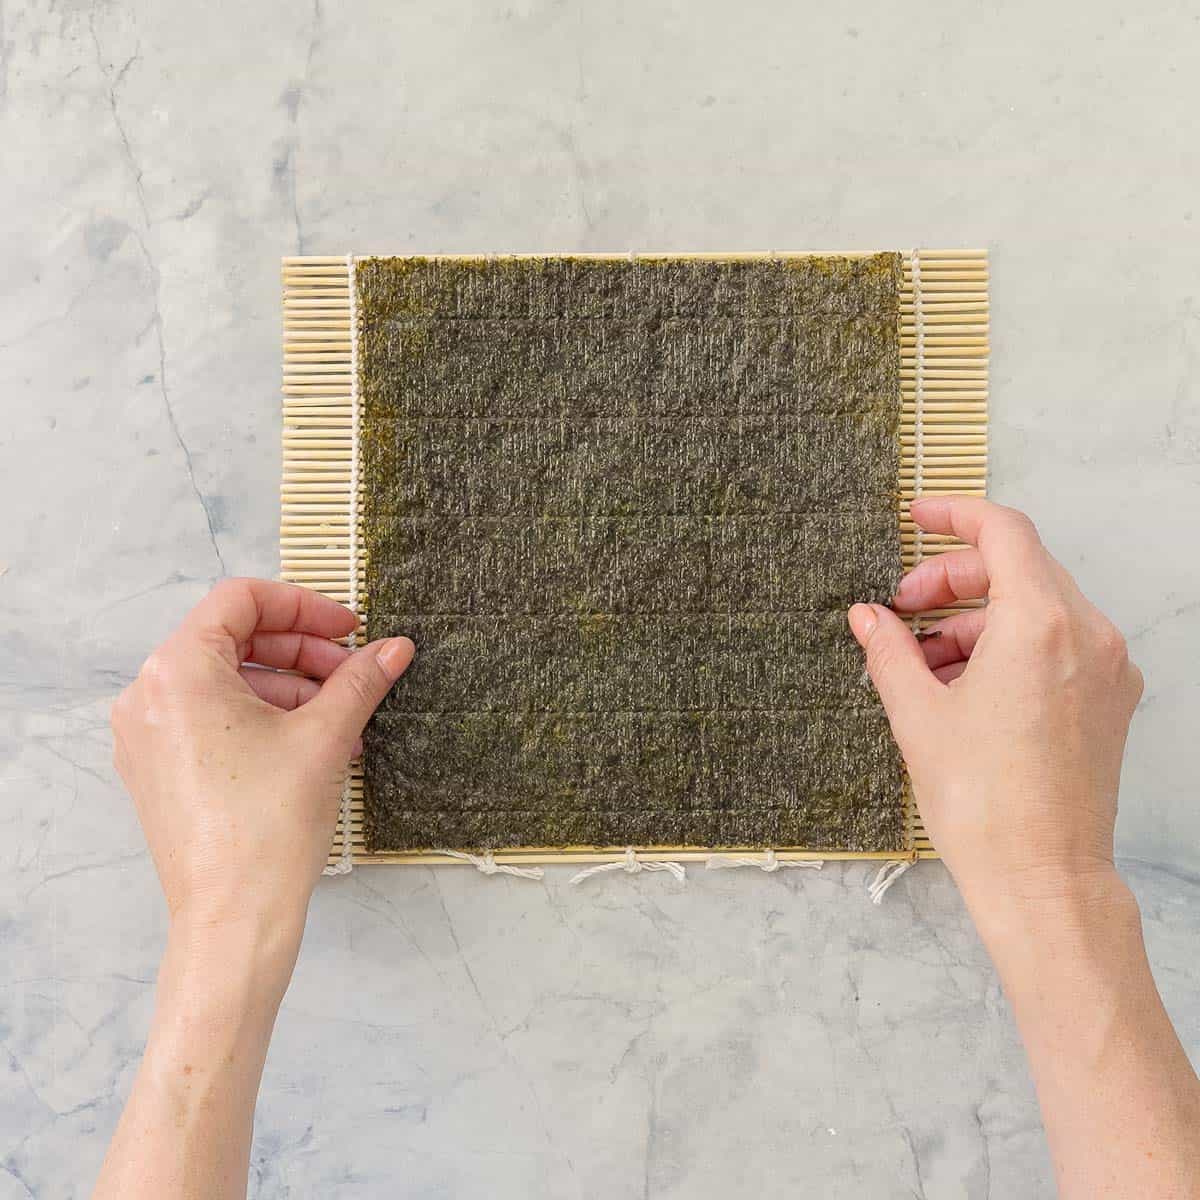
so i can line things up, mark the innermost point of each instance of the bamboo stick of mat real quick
(944, 311)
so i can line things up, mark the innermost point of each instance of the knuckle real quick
(231, 586)
(1111, 644)
(362, 685)
(1052, 626)
(881, 656)
(214, 641)
(959, 574)
(1056, 618)
(1019, 522)
(1137, 683)
(157, 671)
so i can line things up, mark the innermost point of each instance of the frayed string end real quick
(885, 877)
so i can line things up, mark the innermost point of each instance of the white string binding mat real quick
(768, 861)
(486, 864)
(886, 876)
(631, 865)
(919, 394)
(345, 862)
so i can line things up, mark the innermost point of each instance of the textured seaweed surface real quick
(621, 507)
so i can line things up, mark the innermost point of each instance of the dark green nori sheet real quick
(621, 507)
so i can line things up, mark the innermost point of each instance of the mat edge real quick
(317, 401)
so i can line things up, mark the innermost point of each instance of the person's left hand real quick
(236, 771)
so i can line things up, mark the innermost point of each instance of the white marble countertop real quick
(449, 1035)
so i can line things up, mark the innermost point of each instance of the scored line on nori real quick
(621, 506)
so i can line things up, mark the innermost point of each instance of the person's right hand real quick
(1012, 720)
(236, 772)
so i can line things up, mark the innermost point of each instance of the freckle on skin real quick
(187, 1068)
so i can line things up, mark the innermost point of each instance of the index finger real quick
(238, 608)
(1006, 539)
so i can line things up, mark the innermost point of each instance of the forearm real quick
(1120, 1101)
(186, 1129)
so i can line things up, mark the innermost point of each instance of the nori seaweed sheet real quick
(621, 507)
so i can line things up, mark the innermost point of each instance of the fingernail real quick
(905, 588)
(916, 503)
(394, 656)
(862, 620)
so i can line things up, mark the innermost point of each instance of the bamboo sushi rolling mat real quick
(943, 450)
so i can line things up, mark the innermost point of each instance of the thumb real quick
(895, 663)
(352, 693)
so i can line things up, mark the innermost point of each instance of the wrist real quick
(246, 959)
(219, 990)
(1048, 910)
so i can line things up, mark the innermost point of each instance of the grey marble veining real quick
(449, 1035)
